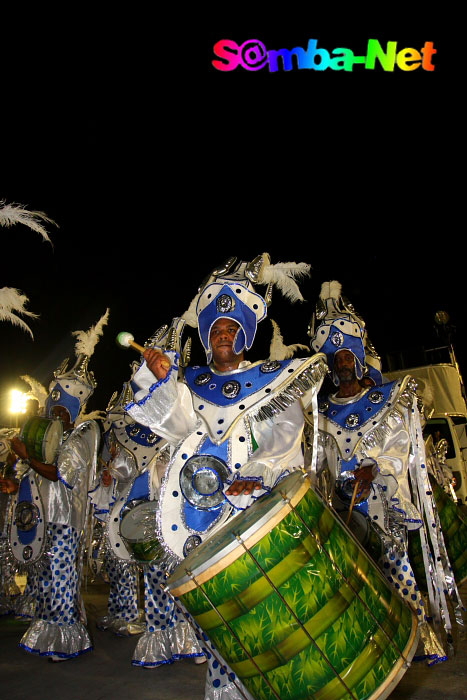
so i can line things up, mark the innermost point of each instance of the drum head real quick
(140, 523)
(52, 440)
(266, 512)
(42, 437)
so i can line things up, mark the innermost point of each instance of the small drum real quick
(138, 528)
(294, 604)
(42, 437)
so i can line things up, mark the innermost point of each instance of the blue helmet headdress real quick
(341, 328)
(71, 389)
(229, 293)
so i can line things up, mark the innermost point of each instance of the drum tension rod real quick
(336, 567)
(196, 629)
(233, 633)
(300, 623)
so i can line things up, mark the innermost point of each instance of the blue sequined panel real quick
(353, 416)
(209, 386)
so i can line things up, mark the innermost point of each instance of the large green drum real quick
(293, 603)
(454, 526)
(42, 437)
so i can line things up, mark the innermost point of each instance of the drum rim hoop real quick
(184, 583)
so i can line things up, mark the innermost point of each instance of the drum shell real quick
(454, 527)
(42, 437)
(343, 612)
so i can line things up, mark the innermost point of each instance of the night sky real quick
(156, 167)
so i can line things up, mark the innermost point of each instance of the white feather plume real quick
(283, 276)
(12, 301)
(11, 214)
(87, 340)
(190, 314)
(38, 391)
(331, 290)
(83, 416)
(278, 350)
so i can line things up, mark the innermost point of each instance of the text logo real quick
(252, 55)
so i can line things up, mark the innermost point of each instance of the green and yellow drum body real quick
(294, 604)
(454, 526)
(42, 437)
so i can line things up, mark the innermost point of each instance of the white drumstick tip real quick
(124, 339)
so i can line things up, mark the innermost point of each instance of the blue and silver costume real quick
(53, 546)
(244, 424)
(166, 636)
(381, 426)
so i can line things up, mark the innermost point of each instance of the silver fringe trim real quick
(377, 436)
(310, 377)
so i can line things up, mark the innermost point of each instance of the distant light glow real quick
(18, 401)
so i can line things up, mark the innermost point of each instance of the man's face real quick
(344, 366)
(222, 338)
(62, 413)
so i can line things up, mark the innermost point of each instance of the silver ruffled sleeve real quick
(165, 406)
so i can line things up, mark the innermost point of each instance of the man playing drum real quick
(371, 459)
(47, 534)
(135, 458)
(235, 427)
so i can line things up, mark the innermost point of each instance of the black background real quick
(156, 167)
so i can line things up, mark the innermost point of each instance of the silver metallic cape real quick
(65, 500)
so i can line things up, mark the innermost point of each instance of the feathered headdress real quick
(87, 340)
(228, 292)
(341, 328)
(13, 302)
(73, 388)
(37, 390)
(278, 350)
(11, 214)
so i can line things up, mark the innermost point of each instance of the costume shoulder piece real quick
(262, 390)
(363, 423)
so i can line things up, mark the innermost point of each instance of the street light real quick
(17, 403)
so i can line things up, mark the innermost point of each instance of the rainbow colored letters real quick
(252, 55)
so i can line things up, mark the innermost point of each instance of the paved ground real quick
(107, 674)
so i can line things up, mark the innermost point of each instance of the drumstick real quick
(126, 340)
(354, 496)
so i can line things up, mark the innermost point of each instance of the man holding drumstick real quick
(371, 461)
(235, 427)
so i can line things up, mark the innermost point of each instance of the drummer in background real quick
(9, 591)
(57, 492)
(367, 457)
(241, 423)
(135, 461)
